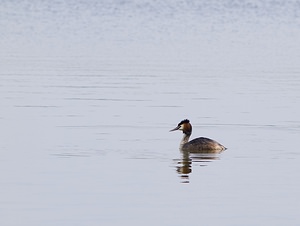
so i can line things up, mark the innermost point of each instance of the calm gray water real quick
(90, 89)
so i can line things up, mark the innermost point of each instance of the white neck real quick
(184, 139)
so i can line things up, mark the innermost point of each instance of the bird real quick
(198, 145)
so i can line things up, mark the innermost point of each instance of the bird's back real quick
(203, 145)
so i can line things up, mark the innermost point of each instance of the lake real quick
(90, 90)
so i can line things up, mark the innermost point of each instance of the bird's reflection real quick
(184, 165)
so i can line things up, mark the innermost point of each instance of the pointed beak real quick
(177, 128)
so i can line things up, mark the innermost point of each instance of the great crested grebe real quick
(200, 145)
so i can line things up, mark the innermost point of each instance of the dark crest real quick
(183, 121)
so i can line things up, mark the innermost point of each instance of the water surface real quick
(90, 90)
